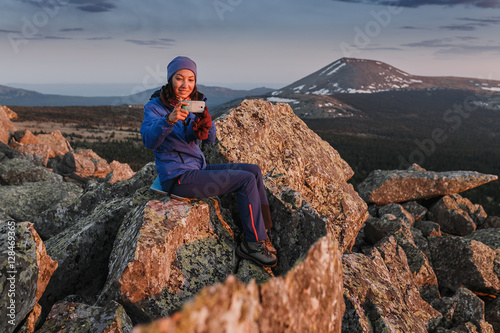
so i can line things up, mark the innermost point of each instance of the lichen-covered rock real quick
(378, 228)
(121, 171)
(166, 251)
(463, 262)
(382, 293)
(25, 137)
(88, 163)
(52, 221)
(491, 222)
(10, 114)
(475, 211)
(416, 210)
(451, 216)
(490, 237)
(24, 273)
(6, 126)
(37, 153)
(428, 228)
(388, 186)
(468, 308)
(446, 306)
(296, 225)
(19, 171)
(274, 138)
(492, 314)
(307, 299)
(388, 225)
(24, 202)
(398, 211)
(82, 250)
(56, 142)
(5, 152)
(31, 321)
(82, 318)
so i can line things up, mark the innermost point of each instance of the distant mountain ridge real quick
(350, 75)
(22, 97)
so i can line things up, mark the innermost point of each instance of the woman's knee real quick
(254, 169)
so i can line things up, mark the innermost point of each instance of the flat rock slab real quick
(383, 187)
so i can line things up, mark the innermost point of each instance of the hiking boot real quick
(269, 246)
(257, 252)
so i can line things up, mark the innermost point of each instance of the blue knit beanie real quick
(180, 63)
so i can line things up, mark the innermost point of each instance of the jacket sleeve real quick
(154, 127)
(212, 134)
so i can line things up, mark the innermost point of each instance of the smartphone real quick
(194, 106)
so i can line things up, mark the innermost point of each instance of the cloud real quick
(99, 38)
(70, 29)
(161, 42)
(5, 31)
(96, 7)
(55, 37)
(442, 42)
(417, 3)
(93, 6)
(481, 22)
(40, 37)
(410, 27)
(458, 27)
(457, 45)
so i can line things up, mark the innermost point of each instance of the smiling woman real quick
(175, 134)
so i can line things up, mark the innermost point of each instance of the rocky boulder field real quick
(86, 246)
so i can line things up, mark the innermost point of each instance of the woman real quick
(174, 135)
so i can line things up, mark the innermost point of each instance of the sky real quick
(119, 47)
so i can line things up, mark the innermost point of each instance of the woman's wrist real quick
(169, 121)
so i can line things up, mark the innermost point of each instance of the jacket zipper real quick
(180, 156)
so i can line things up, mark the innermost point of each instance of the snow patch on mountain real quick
(282, 100)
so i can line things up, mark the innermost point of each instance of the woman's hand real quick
(178, 113)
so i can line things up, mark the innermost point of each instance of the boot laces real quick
(264, 250)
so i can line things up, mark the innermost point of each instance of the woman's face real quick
(183, 82)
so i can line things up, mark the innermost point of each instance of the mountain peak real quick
(352, 75)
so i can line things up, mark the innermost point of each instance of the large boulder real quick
(38, 153)
(10, 114)
(274, 138)
(25, 271)
(83, 248)
(490, 237)
(19, 171)
(83, 164)
(166, 252)
(81, 318)
(296, 225)
(389, 186)
(56, 142)
(469, 309)
(25, 202)
(464, 262)
(452, 218)
(120, 172)
(25, 137)
(54, 220)
(377, 229)
(308, 299)
(381, 294)
(6, 126)
(457, 215)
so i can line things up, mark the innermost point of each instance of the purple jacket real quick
(175, 147)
